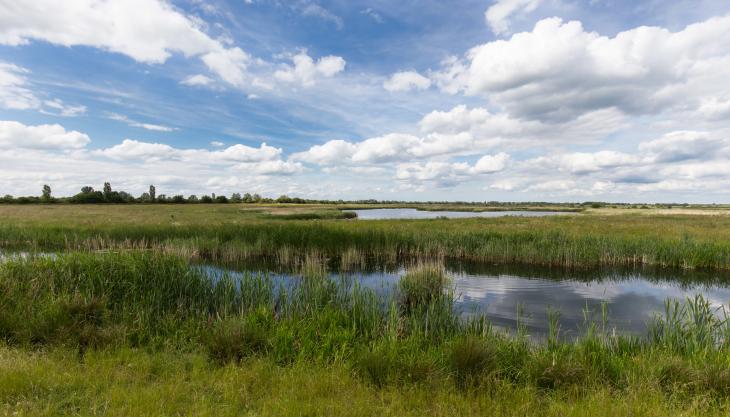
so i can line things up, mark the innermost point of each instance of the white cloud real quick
(491, 163)
(406, 81)
(332, 152)
(64, 110)
(117, 26)
(445, 174)
(684, 145)
(558, 71)
(311, 8)
(580, 163)
(197, 80)
(372, 14)
(134, 123)
(217, 144)
(498, 15)
(306, 71)
(15, 135)
(14, 93)
(131, 149)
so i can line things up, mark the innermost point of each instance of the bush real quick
(233, 340)
(471, 358)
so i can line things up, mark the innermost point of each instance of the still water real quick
(631, 297)
(407, 213)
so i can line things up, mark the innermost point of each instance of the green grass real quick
(124, 333)
(232, 233)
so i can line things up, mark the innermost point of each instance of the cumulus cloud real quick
(15, 135)
(559, 71)
(498, 15)
(406, 81)
(116, 26)
(332, 152)
(580, 163)
(306, 71)
(684, 145)
(131, 149)
(445, 174)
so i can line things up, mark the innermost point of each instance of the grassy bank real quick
(229, 233)
(130, 332)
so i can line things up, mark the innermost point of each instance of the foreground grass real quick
(143, 334)
(129, 382)
(231, 233)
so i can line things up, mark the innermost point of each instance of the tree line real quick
(88, 195)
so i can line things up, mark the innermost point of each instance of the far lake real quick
(409, 213)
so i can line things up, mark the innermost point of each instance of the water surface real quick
(409, 213)
(630, 297)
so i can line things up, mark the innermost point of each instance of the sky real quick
(506, 100)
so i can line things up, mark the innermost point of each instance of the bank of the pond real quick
(98, 307)
(138, 382)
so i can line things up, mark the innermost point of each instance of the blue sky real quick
(521, 100)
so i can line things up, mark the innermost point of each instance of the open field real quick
(233, 233)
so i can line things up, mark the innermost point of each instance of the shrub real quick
(233, 340)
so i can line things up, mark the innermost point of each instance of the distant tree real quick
(46, 196)
(247, 198)
(221, 199)
(7, 198)
(144, 198)
(206, 199)
(236, 198)
(178, 199)
(107, 191)
(283, 199)
(87, 189)
(153, 193)
(193, 198)
(256, 198)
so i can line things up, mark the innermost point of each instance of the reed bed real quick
(580, 241)
(111, 301)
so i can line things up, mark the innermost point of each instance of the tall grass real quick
(112, 300)
(575, 241)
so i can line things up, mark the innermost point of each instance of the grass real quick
(233, 233)
(140, 333)
(123, 325)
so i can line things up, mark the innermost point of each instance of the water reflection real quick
(631, 297)
(408, 213)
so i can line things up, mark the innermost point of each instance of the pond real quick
(631, 297)
(409, 213)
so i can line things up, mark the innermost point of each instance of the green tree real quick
(46, 193)
(153, 193)
(107, 191)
